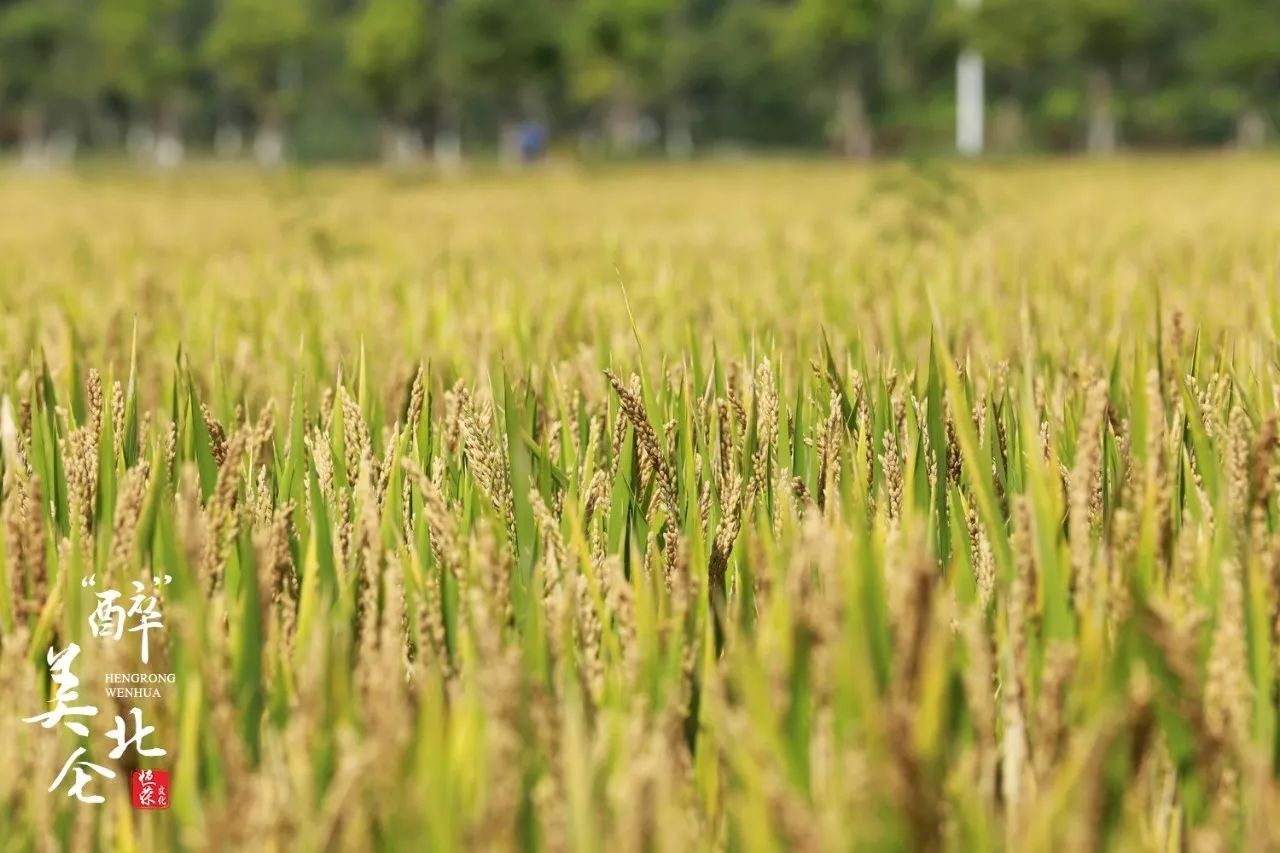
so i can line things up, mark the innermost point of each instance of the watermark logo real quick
(150, 789)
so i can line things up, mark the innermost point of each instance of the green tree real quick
(1102, 35)
(255, 48)
(626, 54)
(835, 40)
(43, 45)
(682, 65)
(506, 53)
(1021, 41)
(142, 61)
(914, 71)
(750, 85)
(1240, 54)
(390, 53)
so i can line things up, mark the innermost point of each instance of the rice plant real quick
(987, 561)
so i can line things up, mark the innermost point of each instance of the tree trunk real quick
(446, 145)
(852, 131)
(401, 144)
(169, 150)
(622, 122)
(34, 155)
(1251, 129)
(228, 140)
(446, 151)
(269, 142)
(1101, 135)
(61, 148)
(679, 136)
(1007, 126)
(140, 140)
(509, 142)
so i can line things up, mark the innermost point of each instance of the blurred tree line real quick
(320, 79)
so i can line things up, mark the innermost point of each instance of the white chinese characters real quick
(109, 618)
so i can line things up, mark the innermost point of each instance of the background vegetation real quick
(317, 79)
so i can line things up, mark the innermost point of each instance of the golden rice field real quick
(751, 507)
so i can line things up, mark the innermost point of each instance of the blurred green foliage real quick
(632, 77)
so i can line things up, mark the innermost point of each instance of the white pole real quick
(969, 97)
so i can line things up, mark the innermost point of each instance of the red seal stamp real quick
(150, 789)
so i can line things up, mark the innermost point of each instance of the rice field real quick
(749, 506)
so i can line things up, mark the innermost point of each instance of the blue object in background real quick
(533, 141)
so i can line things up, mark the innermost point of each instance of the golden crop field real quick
(745, 506)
